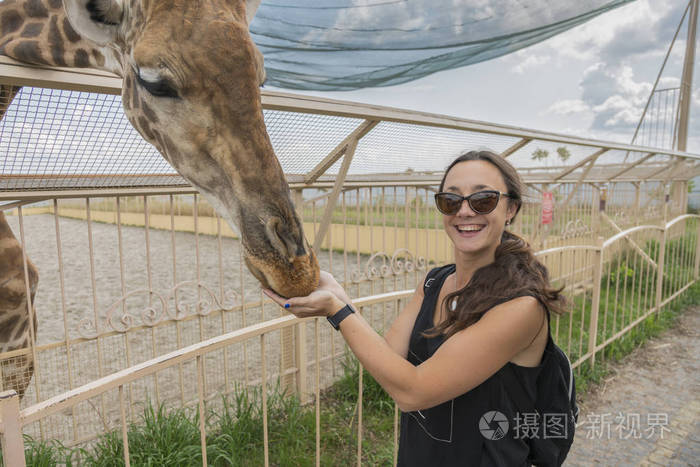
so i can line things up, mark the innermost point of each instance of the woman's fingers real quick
(275, 298)
(311, 305)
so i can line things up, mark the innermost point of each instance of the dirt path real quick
(647, 410)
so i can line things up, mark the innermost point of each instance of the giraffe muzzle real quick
(277, 253)
(282, 239)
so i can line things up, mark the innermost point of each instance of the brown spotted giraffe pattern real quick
(16, 331)
(191, 77)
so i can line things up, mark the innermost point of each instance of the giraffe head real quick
(191, 77)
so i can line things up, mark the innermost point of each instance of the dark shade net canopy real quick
(332, 45)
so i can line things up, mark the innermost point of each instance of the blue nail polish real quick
(286, 305)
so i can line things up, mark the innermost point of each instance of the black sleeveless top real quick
(476, 428)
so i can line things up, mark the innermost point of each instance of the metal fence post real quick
(12, 442)
(660, 272)
(595, 305)
(637, 197)
(697, 251)
(301, 360)
(297, 333)
(595, 213)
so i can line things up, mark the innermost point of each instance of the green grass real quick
(235, 432)
(618, 281)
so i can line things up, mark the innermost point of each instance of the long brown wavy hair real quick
(514, 273)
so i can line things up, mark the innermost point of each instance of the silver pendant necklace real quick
(453, 304)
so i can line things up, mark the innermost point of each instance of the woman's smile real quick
(469, 230)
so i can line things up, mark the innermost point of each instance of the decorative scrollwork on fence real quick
(575, 229)
(87, 329)
(204, 305)
(381, 266)
(120, 318)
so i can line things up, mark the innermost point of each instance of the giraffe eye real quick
(158, 88)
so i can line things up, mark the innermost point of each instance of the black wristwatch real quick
(339, 316)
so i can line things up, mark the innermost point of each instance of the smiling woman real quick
(444, 357)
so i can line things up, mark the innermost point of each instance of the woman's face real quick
(472, 232)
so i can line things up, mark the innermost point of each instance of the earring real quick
(508, 222)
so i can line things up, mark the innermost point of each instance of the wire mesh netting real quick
(350, 44)
(56, 139)
(53, 138)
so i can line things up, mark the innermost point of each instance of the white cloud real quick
(568, 107)
(531, 61)
(614, 96)
(618, 111)
(632, 29)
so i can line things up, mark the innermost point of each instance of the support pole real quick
(595, 213)
(517, 146)
(631, 242)
(342, 148)
(696, 269)
(333, 197)
(12, 441)
(595, 305)
(580, 180)
(588, 160)
(660, 272)
(637, 199)
(297, 335)
(629, 167)
(687, 79)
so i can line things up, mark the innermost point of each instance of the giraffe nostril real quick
(283, 239)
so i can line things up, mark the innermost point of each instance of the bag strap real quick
(434, 279)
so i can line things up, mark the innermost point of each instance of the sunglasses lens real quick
(484, 202)
(448, 203)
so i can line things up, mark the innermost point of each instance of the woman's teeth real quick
(469, 228)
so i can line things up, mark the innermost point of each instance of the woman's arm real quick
(463, 362)
(399, 334)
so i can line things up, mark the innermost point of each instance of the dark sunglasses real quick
(481, 202)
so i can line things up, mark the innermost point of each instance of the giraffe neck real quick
(38, 32)
(14, 316)
(17, 325)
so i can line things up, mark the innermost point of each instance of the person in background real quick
(442, 356)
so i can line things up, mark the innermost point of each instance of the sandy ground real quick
(93, 290)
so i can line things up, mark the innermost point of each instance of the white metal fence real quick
(612, 288)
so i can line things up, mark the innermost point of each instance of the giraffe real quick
(191, 77)
(15, 329)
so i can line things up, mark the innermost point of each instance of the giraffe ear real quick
(95, 20)
(250, 8)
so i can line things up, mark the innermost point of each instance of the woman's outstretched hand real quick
(328, 298)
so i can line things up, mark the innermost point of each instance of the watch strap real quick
(340, 316)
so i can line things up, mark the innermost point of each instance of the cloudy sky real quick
(591, 81)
